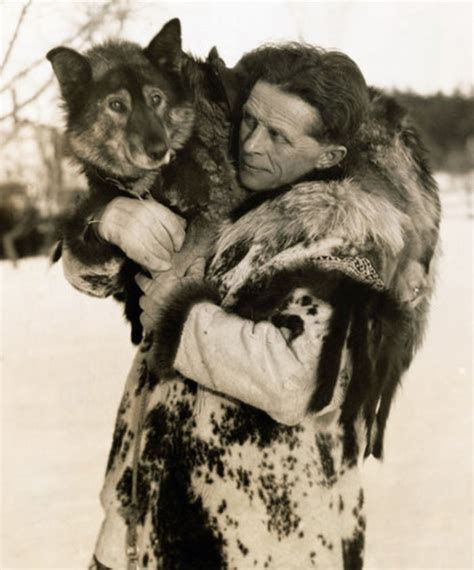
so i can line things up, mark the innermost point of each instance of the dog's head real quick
(127, 110)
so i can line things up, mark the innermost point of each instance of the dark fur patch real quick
(353, 551)
(188, 536)
(353, 548)
(330, 357)
(325, 445)
(170, 325)
(270, 290)
(293, 323)
(244, 424)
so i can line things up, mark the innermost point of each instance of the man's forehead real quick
(280, 110)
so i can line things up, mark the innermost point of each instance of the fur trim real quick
(80, 237)
(272, 290)
(315, 210)
(168, 330)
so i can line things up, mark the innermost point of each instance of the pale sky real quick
(424, 46)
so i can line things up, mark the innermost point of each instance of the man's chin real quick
(253, 182)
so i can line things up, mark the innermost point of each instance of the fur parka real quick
(341, 272)
(222, 483)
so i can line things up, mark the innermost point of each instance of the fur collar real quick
(339, 217)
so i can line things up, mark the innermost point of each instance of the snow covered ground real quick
(64, 360)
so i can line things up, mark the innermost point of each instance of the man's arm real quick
(260, 364)
(272, 365)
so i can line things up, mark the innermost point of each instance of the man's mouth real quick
(251, 167)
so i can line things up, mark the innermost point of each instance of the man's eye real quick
(248, 120)
(156, 99)
(276, 136)
(280, 138)
(118, 106)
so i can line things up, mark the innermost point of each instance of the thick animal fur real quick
(175, 151)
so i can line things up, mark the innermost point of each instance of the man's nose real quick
(255, 142)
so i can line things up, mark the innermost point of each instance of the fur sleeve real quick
(169, 328)
(97, 280)
(81, 239)
(90, 264)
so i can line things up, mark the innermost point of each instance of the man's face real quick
(275, 143)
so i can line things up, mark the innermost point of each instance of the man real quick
(242, 448)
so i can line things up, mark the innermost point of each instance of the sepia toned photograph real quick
(236, 266)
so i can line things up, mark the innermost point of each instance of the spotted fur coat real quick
(244, 468)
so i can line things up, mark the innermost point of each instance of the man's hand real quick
(147, 232)
(156, 291)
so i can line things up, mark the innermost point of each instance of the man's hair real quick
(329, 81)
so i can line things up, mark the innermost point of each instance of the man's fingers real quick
(149, 306)
(152, 243)
(153, 250)
(162, 285)
(146, 304)
(146, 231)
(164, 221)
(146, 321)
(143, 282)
(139, 245)
(144, 257)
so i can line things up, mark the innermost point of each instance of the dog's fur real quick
(146, 122)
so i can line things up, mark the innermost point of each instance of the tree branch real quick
(15, 35)
(89, 24)
(18, 126)
(25, 102)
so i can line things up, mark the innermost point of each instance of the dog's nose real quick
(156, 150)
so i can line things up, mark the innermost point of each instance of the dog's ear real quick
(165, 48)
(71, 68)
(230, 80)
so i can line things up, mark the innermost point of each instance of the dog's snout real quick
(156, 150)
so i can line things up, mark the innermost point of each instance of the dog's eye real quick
(156, 100)
(117, 106)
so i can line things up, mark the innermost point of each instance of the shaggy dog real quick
(147, 122)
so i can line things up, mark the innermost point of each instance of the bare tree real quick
(9, 50)
(16, 123)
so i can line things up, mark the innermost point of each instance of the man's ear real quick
(165, 48)
(333, 155)
(71, 68)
